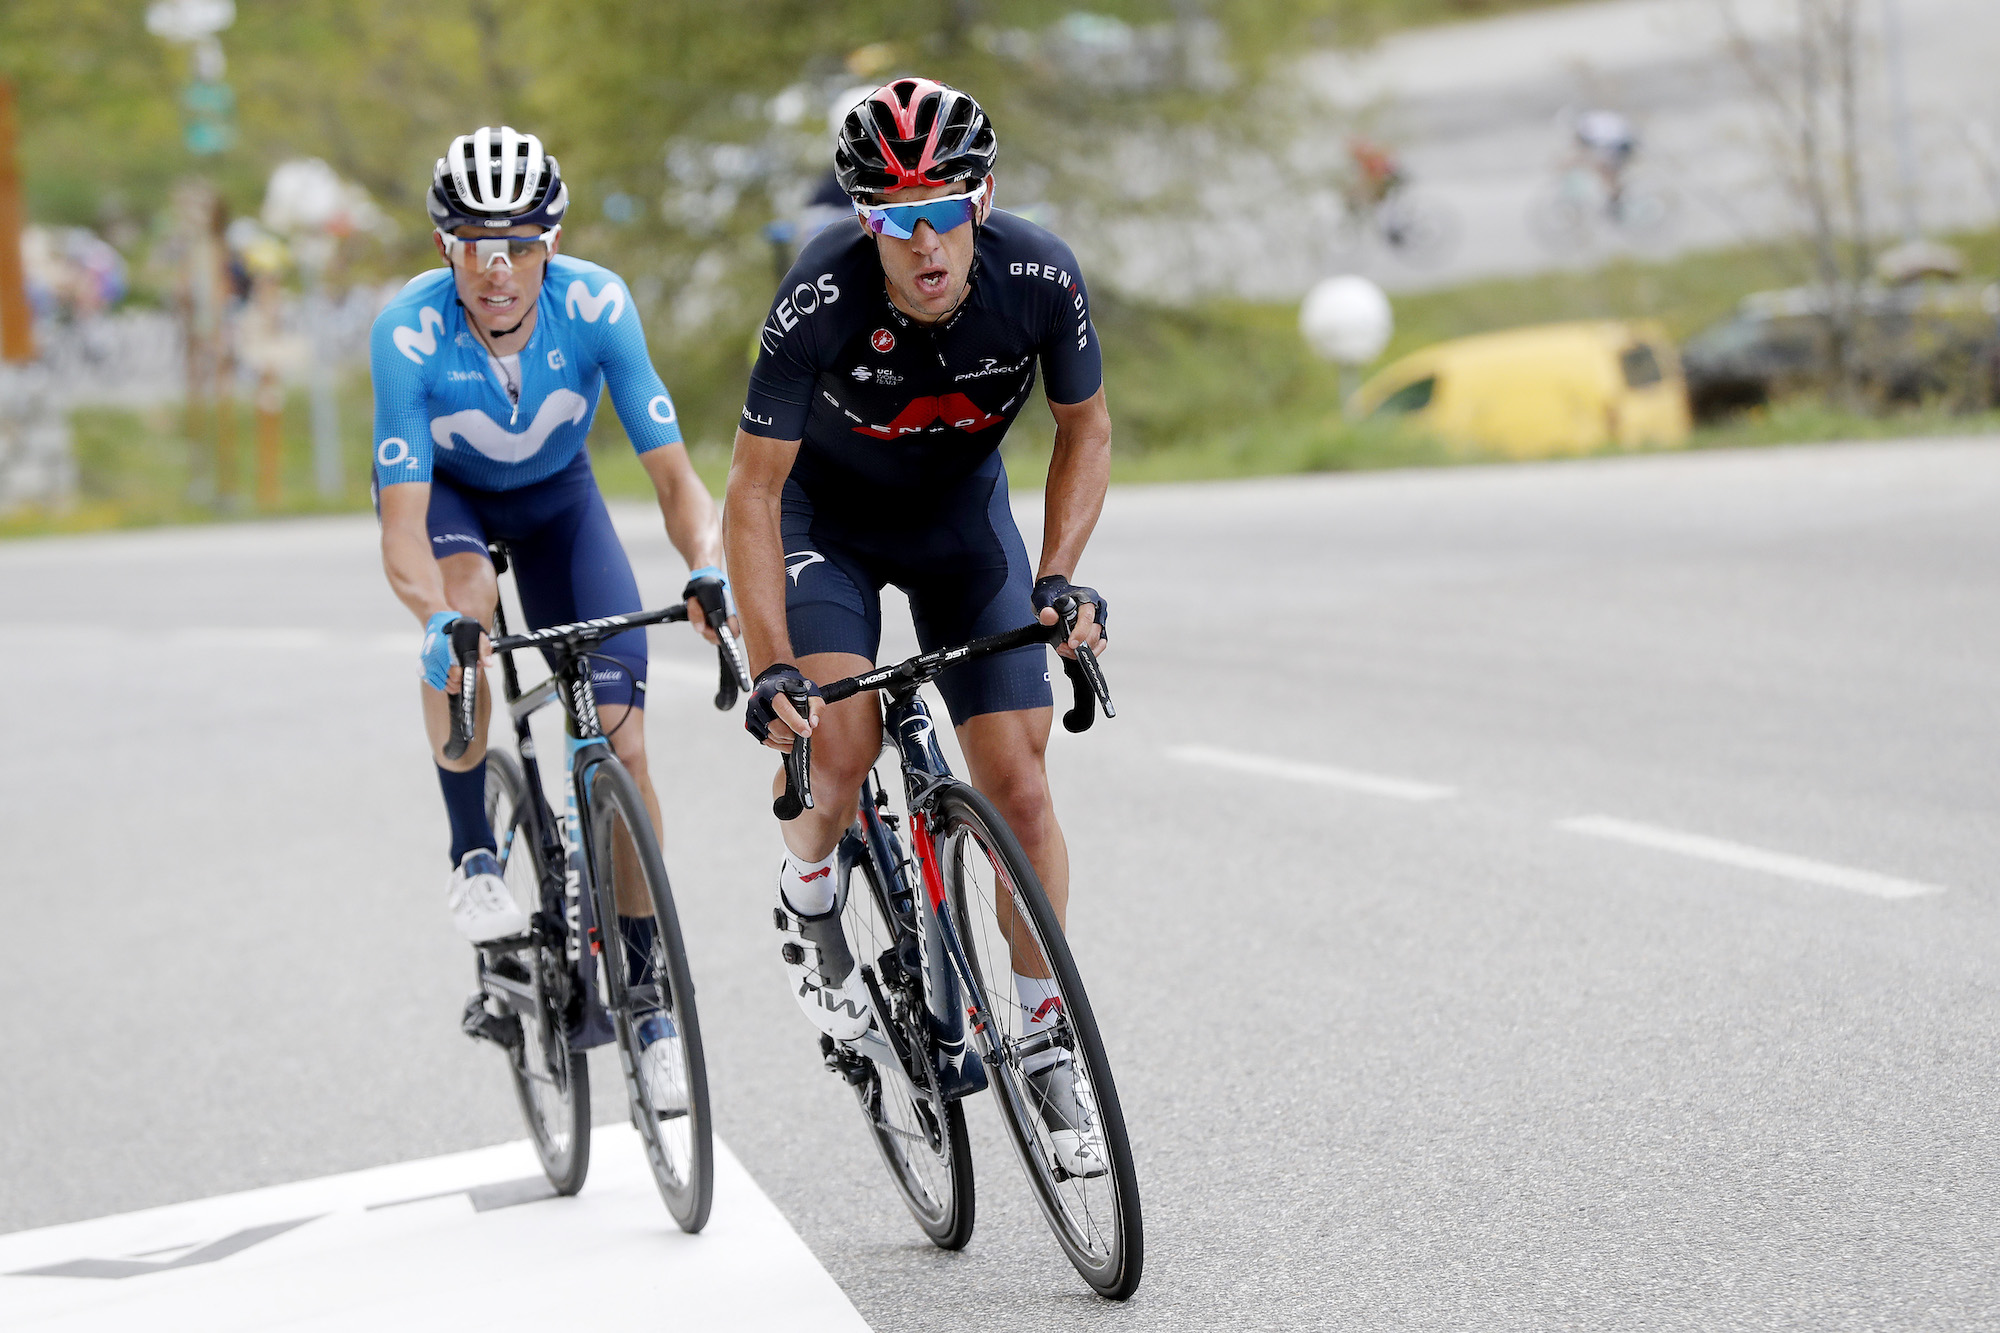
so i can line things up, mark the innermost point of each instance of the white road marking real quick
(1322, 775)
(1744, 857)
(469, 1240)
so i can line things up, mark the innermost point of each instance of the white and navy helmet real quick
(497, 178)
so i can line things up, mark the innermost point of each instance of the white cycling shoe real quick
(660, 1071)
(482, 907)
(1061, 1096)
(821, 969)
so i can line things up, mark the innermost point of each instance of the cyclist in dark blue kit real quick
(896, 355)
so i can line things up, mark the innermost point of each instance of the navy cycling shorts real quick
(568, 563)
(959, 557)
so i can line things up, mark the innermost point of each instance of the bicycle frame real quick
(951, 995)
(586, 746)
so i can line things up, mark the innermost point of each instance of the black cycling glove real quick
(709, 588)
(771, 682)
(1051, 588)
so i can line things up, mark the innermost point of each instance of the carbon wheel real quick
(659, 1035)
(551, 1082)
(1005, 925)
(920, 1135)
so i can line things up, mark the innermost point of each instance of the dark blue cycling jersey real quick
(882, 401)
(898, 478)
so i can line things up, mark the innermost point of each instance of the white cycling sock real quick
(1036, 994)
(1039, 1006)
(808, 885)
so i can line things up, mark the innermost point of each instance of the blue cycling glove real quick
(1052, 588)
(758, 715)
(435, 656)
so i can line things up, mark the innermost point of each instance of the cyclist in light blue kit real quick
(487, 374)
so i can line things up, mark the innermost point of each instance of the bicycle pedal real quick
(481, 1024)
(838, 1059)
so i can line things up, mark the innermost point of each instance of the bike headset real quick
(915, 131)
(497, 178)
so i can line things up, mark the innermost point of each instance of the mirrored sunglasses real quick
(491, 250)
(900, 220)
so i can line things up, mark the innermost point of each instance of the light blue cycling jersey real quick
(440, 404)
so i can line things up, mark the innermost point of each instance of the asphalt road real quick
(1397, 1050)
(1473, 108)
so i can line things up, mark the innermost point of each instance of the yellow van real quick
(1540, 391)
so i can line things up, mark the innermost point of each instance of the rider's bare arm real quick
(1079, 471)
(690, 516)
(406, 550)
(753, 534)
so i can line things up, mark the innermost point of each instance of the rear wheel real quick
(659, 1036)
(1005, 925)
(551, 1082)
(920, 1135)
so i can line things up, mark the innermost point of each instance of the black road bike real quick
(939, 922)
(571, 983)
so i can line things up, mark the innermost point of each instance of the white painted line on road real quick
(470, 1240)
(1747, 858)
(1319, 775)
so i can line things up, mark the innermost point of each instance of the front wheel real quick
(659, 1036)
(1051, 1078)
(920, 1135)
(551, 1082)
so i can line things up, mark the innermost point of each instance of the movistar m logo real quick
(420, 342)
(579, 301)
(489, 437)
(795, 565)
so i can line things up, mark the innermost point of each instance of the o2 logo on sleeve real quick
(394, 452)
(662, 404)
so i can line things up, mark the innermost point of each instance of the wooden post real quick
(270, 438)
(17, 331)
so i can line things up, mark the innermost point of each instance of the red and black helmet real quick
(913, 132)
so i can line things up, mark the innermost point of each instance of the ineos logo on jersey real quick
(882, 340)
(955, 410)
(420, 342)
(796, 563)
(803, 299)
(579, 301)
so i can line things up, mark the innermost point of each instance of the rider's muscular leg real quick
(472, 590)
(844, 748)
(1005, 754)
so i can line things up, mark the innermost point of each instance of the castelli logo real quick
(883, 341)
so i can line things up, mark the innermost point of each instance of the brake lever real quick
(798, 795)
(735, 669)
(1086, 677)
(465, 634)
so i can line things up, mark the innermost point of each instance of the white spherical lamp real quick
(1346, 319)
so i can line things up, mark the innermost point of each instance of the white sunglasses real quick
(491, 250)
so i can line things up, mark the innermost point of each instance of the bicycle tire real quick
(1096, 1219)
(551, 1082)
(679, 1144)
(934, 1173)
(1421, 228)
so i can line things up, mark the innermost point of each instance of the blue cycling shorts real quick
(568, 563)
(960, 558)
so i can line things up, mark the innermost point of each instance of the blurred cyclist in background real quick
(1606, 141)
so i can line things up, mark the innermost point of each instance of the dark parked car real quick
(1918, 342)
